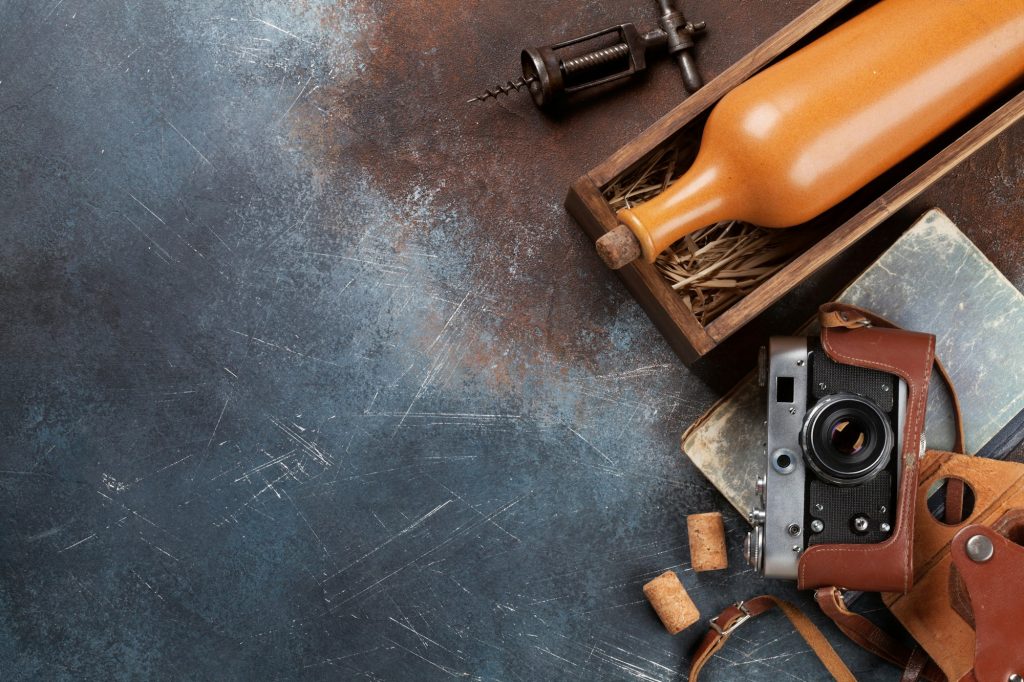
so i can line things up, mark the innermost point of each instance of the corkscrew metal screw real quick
(505, 89)
(550, 75)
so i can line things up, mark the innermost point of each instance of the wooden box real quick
(830, 233)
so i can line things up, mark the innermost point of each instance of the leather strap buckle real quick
(728, 630)
(740, 612)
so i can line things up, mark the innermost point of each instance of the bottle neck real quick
(704, 195)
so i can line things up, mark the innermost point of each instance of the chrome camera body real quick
(832, 467)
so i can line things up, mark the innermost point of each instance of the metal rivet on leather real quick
(979, 550)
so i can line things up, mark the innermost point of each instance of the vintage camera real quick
(832, 455)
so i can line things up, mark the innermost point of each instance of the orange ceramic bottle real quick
(807, 132)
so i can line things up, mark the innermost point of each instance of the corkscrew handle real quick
(680, 35)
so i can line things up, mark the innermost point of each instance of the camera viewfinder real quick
(784, 389)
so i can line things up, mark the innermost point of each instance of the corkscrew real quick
(550, 74)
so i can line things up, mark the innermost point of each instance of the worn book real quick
(933, 279)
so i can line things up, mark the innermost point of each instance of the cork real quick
(619, 247)
(671, 602)
(707, 542)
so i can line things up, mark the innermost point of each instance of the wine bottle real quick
(807, 132)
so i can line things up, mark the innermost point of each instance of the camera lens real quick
(848, 436)
(847, 439)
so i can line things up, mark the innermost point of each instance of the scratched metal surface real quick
(307, 374)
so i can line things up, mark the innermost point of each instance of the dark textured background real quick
(308, 375)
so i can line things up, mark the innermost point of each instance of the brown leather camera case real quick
(885, 566)
(946, 604)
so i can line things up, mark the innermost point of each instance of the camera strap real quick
(725, 623)
(915, 662)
